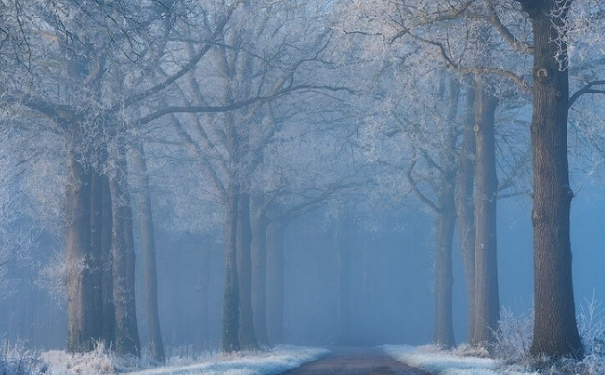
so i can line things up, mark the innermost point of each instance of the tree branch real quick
(506, 34)
(234, 106)
(188, 67)
(519, 81)
(419, 193)
(587, 89)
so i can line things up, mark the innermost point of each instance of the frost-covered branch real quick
(589, 88)
(417, 190)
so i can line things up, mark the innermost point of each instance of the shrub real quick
(512, 340)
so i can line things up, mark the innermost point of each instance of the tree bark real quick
(259, 268)
(465, 203)
(487, 301)
(156, 345)
(247, 336)
(122, 245)
(555, 328)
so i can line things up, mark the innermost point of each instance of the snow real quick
(439, 362)
(100, 362)
(254, 363)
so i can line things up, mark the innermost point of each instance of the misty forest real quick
(181, 176)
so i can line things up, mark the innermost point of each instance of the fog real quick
(389, 280)
(278, 168)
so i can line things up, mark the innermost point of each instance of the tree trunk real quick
(445, 223)
(465, 203)
(156, 346)
(109, 314)
(247, 337)
(487, 301)
(343, 287)
(80, 297)
(259, 268)
(101, 224)
(444, 280)
(275, 279)
(204, 291)
(555, 329)
(122, 244)
(96, 249)
(231, 296)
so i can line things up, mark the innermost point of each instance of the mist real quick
(196, 177)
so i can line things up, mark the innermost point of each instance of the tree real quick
(443, 204)
(477, 31)
(253, 74)
(123, 258)
(259, 225)
(555, 328)
(156, 345)
(465, 202)
(487, 301)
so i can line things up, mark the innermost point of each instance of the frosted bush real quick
(591, 324)
(514, 335)
(96, 362)
(19, 359)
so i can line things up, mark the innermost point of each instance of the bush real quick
(513, 337)
(19, 359)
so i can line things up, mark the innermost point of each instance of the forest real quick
(180, 177)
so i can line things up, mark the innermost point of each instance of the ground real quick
(355, 361)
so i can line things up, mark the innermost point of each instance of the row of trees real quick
(283, 106)
(489, 42)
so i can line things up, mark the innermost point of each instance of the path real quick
(355, 361)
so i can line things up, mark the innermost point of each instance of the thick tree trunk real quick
(275, 279)
(247, 337)
(100, 223)
(81, 314)
(555, 328)
(231, 296)
(122, 245)
(487, 300)
(156, 346)
(465, 206)
(259, 268)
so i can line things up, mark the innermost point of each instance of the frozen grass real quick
(458, 362)
(18, 359)
(510, 352)
(100, 362)
(271, 362)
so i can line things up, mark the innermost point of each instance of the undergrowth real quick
(514, 335)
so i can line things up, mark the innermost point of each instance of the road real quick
(355, 361)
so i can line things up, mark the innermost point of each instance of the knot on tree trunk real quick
(542, 73)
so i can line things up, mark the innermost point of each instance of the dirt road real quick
(355, 361)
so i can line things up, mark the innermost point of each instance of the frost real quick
(101, 361)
